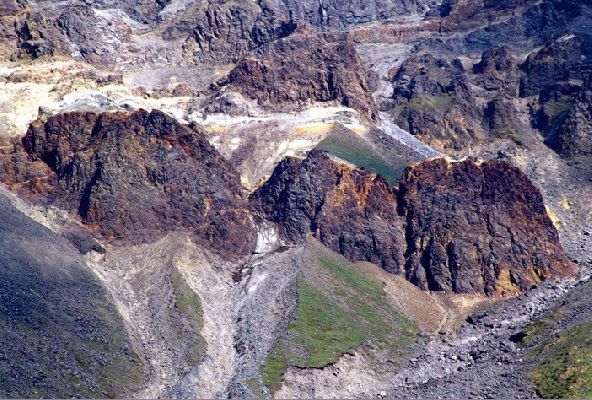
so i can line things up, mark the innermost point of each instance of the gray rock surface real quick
(61, 334)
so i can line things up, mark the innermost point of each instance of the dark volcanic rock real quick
(498, 71)
(561, 60)
(501, 118)
(572, 135)
(478, 228)
(223, 31)
(518, 25)
(432, 100)
(55, 32)
(278, 78)
(337, 14)
(37, 36)
(61, 334)
(135, 176)
(348, 210)
(468, 228)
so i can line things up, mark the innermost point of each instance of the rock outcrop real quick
(432, 100)
(477, 228)
(498, 71)
(277, 77)
(469, 228)
(134, 176)
(223, 31)
(348, 210)
(335, 14)
(559, 75)
(571, 136)
(567, 58)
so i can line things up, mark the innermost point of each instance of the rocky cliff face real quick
(223, 31)
(432, 100)
(456, 106)
(334, 14)
(559, 76)
(462, 215)
(213, 31)
(469, 228)
(558, 62)
(277, 77)
(348, 210)
(497, 71)
(133, 177)
(573, 135)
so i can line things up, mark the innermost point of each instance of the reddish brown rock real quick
(134, 177)
(459, 227)
(349, 210)
(305, 67)
(477, 228)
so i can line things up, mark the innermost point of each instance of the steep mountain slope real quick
(61, 332)
(231, 257)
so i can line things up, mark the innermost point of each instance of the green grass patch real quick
(438, 103)
(352, 278)
(323, 328)
(369, 305)
(337, 312)
(272, 371)
(187, 301)
(357, 151)
(189, 305)
(566, 369)
(253, 385)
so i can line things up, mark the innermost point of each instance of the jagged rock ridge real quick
(277, 78)
(348, 210)
(469, 228)
(335, 14)
(133, 177)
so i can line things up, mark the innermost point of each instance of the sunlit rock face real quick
(462, 227)
(133, 177)
(478, 228)
(277, 78)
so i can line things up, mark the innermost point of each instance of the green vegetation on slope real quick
(439, 103)
(189, 305)
(322, 329)
(535, 330)
(339, 308)
(187, 301)
(272, 371)
(566, 369)
(354, 149)
(368, 303)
